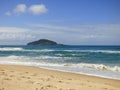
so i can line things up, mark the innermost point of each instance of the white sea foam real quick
(42, 57)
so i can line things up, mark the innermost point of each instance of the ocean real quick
(102, 61)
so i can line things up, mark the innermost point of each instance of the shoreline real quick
(35, 78)
(65, 69)
(87, 74)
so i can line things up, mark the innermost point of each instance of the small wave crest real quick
(16, 58)
(22, 58)
(10, 49)
(95, 51)
(69, 55)
(105, 51)
(28, 50)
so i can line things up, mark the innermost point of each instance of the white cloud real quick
(82, 34)
(8, 13)
(14, 35)
(55, 27)
(13, 29)
(20, 8)
(38, 9)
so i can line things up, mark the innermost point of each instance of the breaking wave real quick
(33, 62)
(11, 49)
(98, 67)
(95, 51)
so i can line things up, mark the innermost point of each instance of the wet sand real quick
(13, 77)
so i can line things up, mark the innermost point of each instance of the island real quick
(43, 42)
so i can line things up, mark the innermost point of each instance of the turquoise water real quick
(69, 58)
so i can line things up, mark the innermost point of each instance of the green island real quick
(43, 42)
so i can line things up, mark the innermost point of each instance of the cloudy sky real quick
(74, 22)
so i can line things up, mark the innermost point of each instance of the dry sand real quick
(32, 78)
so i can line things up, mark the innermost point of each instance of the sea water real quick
(103, 61)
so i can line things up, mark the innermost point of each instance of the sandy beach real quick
(14, 77)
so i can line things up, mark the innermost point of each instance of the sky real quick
(71, 22)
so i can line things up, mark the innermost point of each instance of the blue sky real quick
(74, 22)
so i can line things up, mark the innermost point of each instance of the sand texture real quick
(14, 77)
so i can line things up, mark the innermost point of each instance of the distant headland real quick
(44, 42)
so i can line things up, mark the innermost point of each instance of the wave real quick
(89, 51)
(22, 49)
(12, 58)
(40, 60)
(52, 50)
(103, 51)
(98, 67)
(101, 67)
(11, 49)
(69, 55)
(42, 57)
(94, 51)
